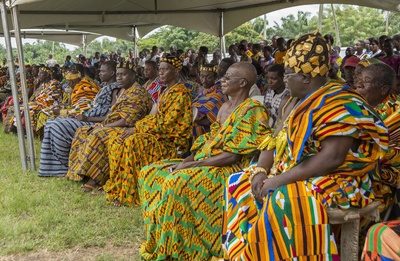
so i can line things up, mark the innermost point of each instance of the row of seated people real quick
(330, 146)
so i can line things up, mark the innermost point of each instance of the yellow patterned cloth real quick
(284, 226)
(80, 101)
(156, 137)
(182, 210)
(89, 152)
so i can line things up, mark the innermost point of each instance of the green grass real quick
(52, 214)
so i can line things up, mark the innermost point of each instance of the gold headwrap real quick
(309, 54)
(209, 68)
(45, 69)
(70, 76)
(174, 61)
(126, 65)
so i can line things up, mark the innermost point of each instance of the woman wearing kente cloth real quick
(182, 200)
(78, 100)
(333, 140)
(89, 150)
(59, 132)
(157, 136)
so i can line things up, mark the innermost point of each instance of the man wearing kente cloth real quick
(376, 85)
(333, 139)
(89, 150)
(208, 101)
(157, 136)
(182, 200)
(79, 99)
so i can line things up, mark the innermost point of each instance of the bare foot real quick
(117, 203)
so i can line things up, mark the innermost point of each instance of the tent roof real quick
(116, 18)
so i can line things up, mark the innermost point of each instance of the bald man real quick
(191, 190)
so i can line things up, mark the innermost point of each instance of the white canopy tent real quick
(126, 19)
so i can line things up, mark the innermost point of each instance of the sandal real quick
(87, 187)
(97, 191)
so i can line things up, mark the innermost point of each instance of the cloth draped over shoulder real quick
(283, 227)
(182, 210)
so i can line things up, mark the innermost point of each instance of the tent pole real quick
(221, 34)
(6, 32)
(22, 70)
(135, 49)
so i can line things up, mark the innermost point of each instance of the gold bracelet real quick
(254, 171)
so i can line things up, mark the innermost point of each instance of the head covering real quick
(46, 69)
(72, 75)
(352, 61)
(172, 60)
(126, 65)
(209, 68)
(309, 54)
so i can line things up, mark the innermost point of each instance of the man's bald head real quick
(246, 71)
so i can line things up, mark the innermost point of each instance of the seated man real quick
(89, 149)
(182, 201)
(208, 101)
(333, 139)
(59, 132)
(157, 136)
(376, 85)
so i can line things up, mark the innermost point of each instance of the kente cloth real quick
(81, 100)
(389, 178)
(183, 210)
(208, 102)
(59, 132)
(292, 224)
(153, 88)
(383, 242)
(272, 101)
(46, 95)
(279, 57)
(156, 137)
(194, 88)
(89, 152)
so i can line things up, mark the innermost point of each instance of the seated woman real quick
(59, 132)
(333, 139)
(208, 101)
(157, 136)
(182, 201)
(89, 150)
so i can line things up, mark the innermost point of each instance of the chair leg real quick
(349, 240)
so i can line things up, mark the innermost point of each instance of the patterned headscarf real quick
(73, 75)
(368, 62)
(46, 69)
(309, 54)
(174, 61)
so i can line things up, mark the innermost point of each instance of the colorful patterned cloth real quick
(182, 210)
(153, 88)
(292, 224)
(89, 152)
(156, 137)
(389, 178)
(208, 102)
(44, 97)
(272, 101)
(59, 132)
(383, 242)
(81, 100)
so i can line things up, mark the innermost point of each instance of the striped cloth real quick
(59, 132)
(182, 210)
(292, 224)
(208, 102)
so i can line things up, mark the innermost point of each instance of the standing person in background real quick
(51, 62)
(233, 52)
(68, 61)
(282, 49)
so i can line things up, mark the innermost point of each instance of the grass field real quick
(51, 219)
